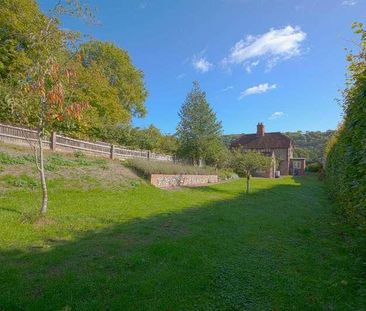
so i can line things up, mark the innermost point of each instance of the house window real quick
(297, 164)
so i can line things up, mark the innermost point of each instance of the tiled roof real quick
(273, 140)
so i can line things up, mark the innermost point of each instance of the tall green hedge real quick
(346, 152)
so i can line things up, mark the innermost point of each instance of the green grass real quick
(55, 162)
(22, 181)
(209, 248)
(7, 159)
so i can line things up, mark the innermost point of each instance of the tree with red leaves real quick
(47, 97)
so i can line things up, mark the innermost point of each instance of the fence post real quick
(53, 141)
(112, 152)
(148, 154)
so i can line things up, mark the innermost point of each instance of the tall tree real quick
(198, 132)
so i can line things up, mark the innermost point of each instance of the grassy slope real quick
(209, 248)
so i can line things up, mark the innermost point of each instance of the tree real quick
(43, 95)
(105, 110)
(168, 144)
(106, 77)
(199, 131)
(247, 163)
(123, 78)
(19, 20)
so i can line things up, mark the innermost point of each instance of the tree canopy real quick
(104, 75)
(199, 132)
(245, 164)
(125, 80)
(20, 21)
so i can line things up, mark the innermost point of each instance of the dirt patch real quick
(43, 221)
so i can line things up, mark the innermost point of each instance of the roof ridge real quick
(265, 133)
(271, 140)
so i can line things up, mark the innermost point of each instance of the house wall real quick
(266, 174)
(301, 170)
(282, 155)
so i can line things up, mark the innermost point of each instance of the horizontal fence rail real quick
(23, 136)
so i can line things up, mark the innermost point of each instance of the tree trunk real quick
(42, 175)
(248, 181)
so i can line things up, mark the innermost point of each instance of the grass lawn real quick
(207, 248)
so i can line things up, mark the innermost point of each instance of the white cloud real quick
(230, 87)
(258, 89)
(181, 76)
(273, 46)
(350, 2)
(276, 115)
(201, 64)
(249, 67)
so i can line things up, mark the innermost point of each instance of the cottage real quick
(275, 142)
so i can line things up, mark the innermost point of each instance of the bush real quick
(346, 150)
(8, 159)
(57, 161)
(53, 162)
(22, 181)
(227, 174)
(146, 168)
(314, 167)
(79, 154)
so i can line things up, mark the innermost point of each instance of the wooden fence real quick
(23, 136)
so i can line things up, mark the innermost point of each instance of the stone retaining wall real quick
(169, 181)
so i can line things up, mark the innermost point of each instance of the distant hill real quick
(309, 145)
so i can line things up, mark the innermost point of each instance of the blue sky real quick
(280, 62)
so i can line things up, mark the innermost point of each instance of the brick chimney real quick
(260, 129)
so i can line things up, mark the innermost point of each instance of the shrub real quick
(79, 154)
(314, 167)
(227, 174)
(346, 150)
(55, 162)
(146, 168)
(22, 181)
(8, 159)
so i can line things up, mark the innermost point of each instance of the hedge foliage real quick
(146, 168)
(346, 150)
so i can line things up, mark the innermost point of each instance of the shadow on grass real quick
(11, 210)
(252, 252)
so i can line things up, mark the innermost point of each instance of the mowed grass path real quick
(208, 248)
